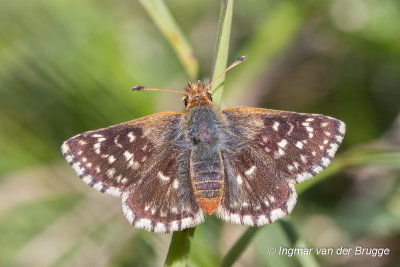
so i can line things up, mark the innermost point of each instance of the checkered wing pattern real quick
(139, 162)
(275, 150)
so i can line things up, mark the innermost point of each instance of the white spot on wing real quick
(98, 186)
(133, 164)
(279, 153)
(303, 176)
(87, 179)
(342, 128)
(111, 159)
(290, 168)
(247, 220)
(160, 228)
(114, 191)
(275, 126)
(77, 167)
(277, 214)
(116, 142)
(64, 148)
(176, 184)
(332, 149)
(291, 128)
(131, 137)
(325, 161)
(69, 158)
(292, 198)
(262, 219)
(239, 179)
(299, 145)
(163, 177)
(250, 171)
(110, 172)
(283, 143)
(128, 155)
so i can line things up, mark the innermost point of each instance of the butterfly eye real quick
(209, 96)
(185, 101)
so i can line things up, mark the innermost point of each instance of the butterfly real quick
(241, 163)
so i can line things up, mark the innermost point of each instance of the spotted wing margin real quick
(140, 162)
(254, 194)
(298, 145)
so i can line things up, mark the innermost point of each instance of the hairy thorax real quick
(202, 124)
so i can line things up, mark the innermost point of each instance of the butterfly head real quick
(196, 93)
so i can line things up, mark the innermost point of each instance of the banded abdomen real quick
(207, 177)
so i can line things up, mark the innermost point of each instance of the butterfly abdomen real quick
(207, 178)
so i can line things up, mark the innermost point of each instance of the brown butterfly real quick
(241, 163)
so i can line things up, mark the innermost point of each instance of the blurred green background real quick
(67, 66)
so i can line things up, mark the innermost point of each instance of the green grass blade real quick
(238, 248)
(161, 16)
(179, 249)
(270, 39)
(221, 49)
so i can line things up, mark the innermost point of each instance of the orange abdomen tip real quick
(209, 205)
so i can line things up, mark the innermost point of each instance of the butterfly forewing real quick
(274, 150)
(299, 145)
(138, 161)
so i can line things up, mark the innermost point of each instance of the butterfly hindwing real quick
(273, 151)
(139, 161)
(164, 201)
(254, 193)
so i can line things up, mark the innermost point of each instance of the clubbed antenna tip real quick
(234, 64)
(242, 58)
(138, 88)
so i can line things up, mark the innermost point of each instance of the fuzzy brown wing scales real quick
(112, 159)
(254, 194)
(300, 145)
(142, 162)
(164, 201)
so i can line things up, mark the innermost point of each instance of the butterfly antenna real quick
(142, 88)
(234, 64)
